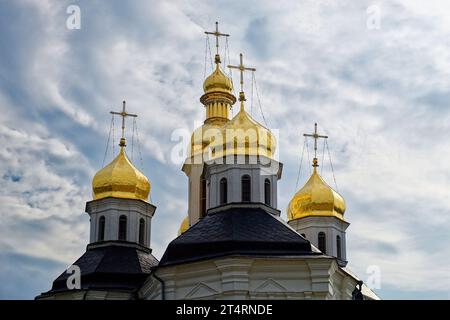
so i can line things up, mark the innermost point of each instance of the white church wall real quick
(253, 278)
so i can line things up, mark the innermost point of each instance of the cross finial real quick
(217, 34)
(123, 114)
(315, 136)
(242, 68)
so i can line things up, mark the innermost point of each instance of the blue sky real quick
(380, 94)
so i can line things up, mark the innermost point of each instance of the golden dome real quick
(205, 134)
(120, 179)
(218, 81)
(245, 136)
(316, 198)
(218, 100)
(184, 226)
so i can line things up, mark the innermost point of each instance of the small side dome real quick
(316, 198)
(120, 179)
(184, 226)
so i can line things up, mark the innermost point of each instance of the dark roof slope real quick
(236, 231)
(112, 266)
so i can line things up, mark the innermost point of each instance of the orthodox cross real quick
(217, 34)
(242, 68)
(315, 136)
(123, 114)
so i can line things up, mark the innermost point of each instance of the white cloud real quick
(379, 94)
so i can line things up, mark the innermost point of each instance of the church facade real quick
(233, 244)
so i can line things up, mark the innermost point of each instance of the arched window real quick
(203, 198)
(123, 228)
(322, 242)
(223, 191)
(267, 192)
(141, 231)
(101, 228)
(338, 247)
(246, 188)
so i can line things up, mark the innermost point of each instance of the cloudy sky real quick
(375, 75)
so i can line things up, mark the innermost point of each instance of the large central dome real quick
(245, 136)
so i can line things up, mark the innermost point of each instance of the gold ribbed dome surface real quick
(316, 198)
(203, 135)
(218, 81)
(120, 179)
(184, 226)
(245, 136)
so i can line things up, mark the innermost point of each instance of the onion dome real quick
(120, 179)
(202, 136)
(245, 136)
(316, 198)
(218, 99)
(184, 226)
(218, 81)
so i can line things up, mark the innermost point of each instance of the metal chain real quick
(139, 151)
(114, 145)
(109, 138)
(259, 103)
(230, 71)
(251, 95)
(139, 145)
(331, 164)
(206, 56)
(224, 62)
(210, 55)
(132, 139)
(307, 152)
(300, 167)
(323, 156)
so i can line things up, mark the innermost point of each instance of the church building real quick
(233, 243)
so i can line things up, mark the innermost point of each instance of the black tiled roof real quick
(236, 231)
(113, 266)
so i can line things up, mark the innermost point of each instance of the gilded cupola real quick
(218, 100)
(316, 198)
(218, 95)
(218, 81)
(245, 136)
(184, 226)
(120, 178)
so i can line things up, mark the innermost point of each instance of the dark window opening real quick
(322, 242)
(223, 191)
(141, 231)
(123, 228)
(203, 198)
(246, 189)
(101, 228)
(267, 192)
(338, 247)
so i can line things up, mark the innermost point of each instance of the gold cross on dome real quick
(242, 68)
(217, 34)
(123, 114)
(315, 136)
